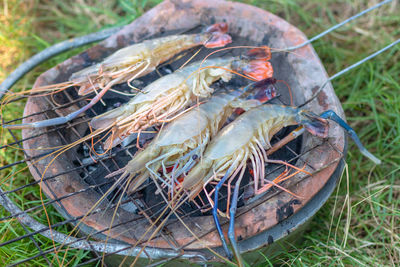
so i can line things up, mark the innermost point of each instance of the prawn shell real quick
(241, 131)
(183, 78)
(234, 138)
(187, 126)
(106, 119)
(186, 75)
(158, 88)
(193, 123)
(117, 60)
(136, 53)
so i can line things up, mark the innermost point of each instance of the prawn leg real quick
(176, 173)
(166, 155)
(186, 167)
(232, 213)
(215, 213)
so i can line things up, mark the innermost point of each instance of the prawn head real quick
(219, 36)
(313, 123)
(254, 63)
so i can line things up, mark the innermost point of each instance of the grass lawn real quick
(360, 224)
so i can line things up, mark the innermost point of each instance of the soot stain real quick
(270, 240)
(286, 210)
(180, 5)
(322, 99)
(88, 60)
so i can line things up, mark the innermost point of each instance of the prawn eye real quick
(265, 95)
(270, 93)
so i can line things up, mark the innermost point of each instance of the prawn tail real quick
(260, 53)
(220, 28)
(258, 69)
(136, 171)
(141, 158)
(219, 36)
(313, 123)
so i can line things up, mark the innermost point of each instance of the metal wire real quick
(380, 51)
(52, 51)
(33, 228)
(337, 26)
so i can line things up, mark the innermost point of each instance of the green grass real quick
(360, 223)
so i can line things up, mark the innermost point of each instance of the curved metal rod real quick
(121, 249)
(51, 51)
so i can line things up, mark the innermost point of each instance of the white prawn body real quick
(164, 98)
(134, 61)
(189, 132)
(238, 141)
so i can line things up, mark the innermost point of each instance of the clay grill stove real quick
(73, 183)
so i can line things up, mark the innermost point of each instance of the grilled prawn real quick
(245, 139)
(168, 96)
(140, 59)
(184, 139)
(130, 63)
